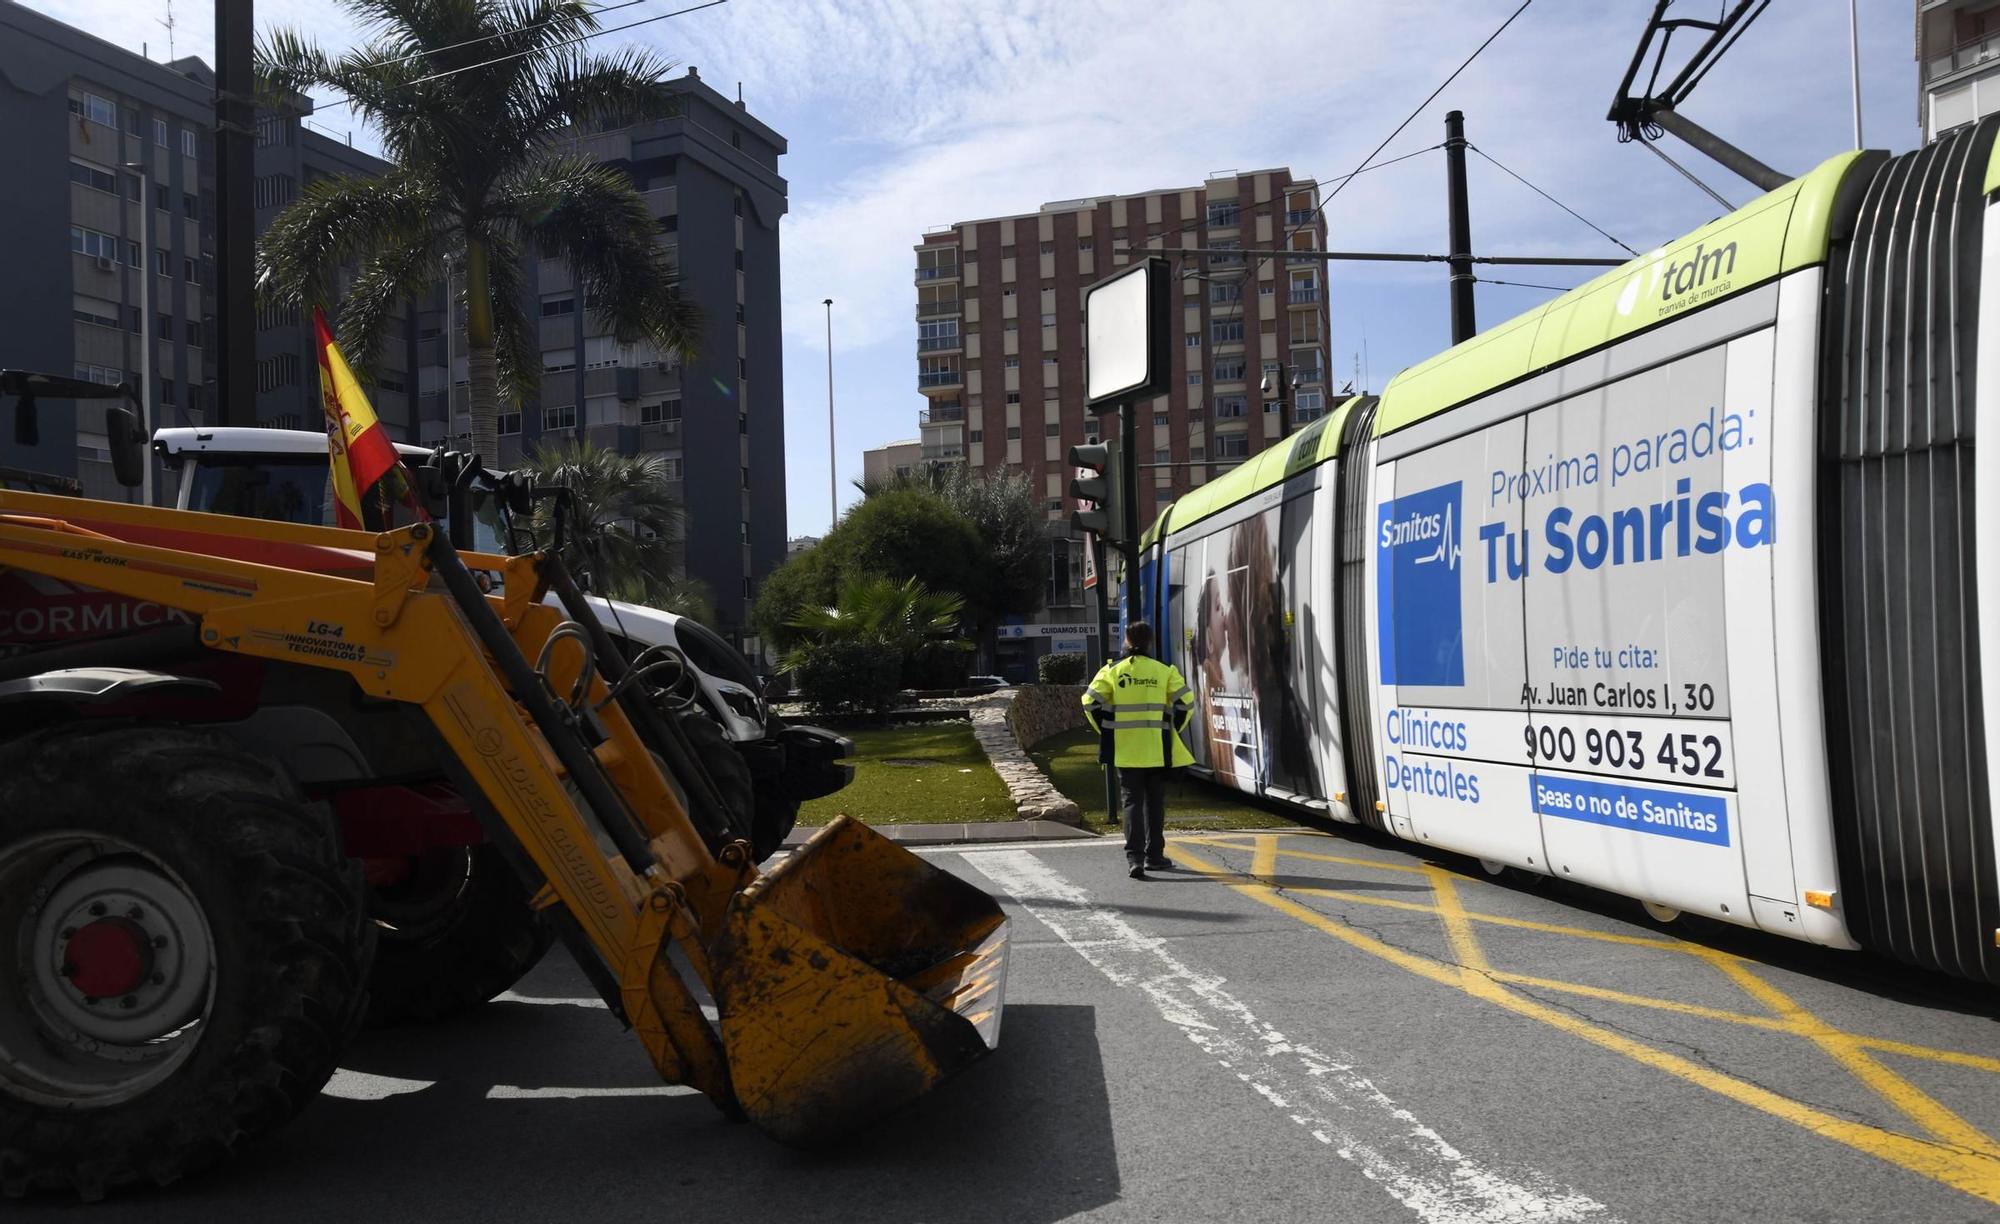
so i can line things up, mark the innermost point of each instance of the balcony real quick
(941, 414)
(1306, 378)
(1966, 55)
(942, 378)
(941, 272)
(1305, 296)
(944, 451)
(1300, 216)
(939, 344)
(932, 310)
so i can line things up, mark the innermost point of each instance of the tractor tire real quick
(183, 952)
(729, 772)
(456, 933)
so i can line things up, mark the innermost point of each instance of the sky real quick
(905, 115)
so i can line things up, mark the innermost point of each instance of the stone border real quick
(1033, 794)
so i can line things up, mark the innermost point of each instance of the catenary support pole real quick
(1463, 324)
(1110, 652)
(235, 401)
(1854, 63)
(148, 343)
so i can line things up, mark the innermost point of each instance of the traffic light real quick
(1102, 480)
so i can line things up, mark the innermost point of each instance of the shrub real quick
(1060, 669)
(845, 675)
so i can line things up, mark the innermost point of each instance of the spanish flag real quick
(371, 491)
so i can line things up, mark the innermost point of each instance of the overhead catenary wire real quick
(1487, 280)
(1551, 199)
(513, 55)
(1273, 205)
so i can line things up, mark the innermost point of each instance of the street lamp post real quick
(146, 340)
(832, 461)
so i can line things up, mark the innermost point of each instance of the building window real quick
(736, 142)
(555, 307)
(1308, 405)
(739, 261)
(936, 371)
(162, 263)
(1048, 248)
(1007, 292)
(1227, 406)
(1223, 213)
(193, 332)
(1225, 293)
(1011, 325)
(746, 477)
(271, 317)
(95, 313)
(1013, 397)
(95, 109)
(160, 132)
(1229, 369)
(1226, 331)
(1012, 363)
(188, 146)
(271, 191)
(1232, 446)
(1013, 432)
(1048, 359)
(670, 469)
(1159, 420)
(508, 424)
(1085, 244)
(1194, 340)
(559, 418)
(664, 412)
(1161, 455)
(134, 191)
(602, 352)
(1052, 430)
(279, 371)
(1194, 378)
(975, 435)
(162, 197)
(1049, 319)
(1227, 255)
(190, 205)
(190, 271)
(98, 374)
(95, 242)
(556, 361)
(1006, 252)
(96, 177)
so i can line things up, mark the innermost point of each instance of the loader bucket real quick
(850, 980)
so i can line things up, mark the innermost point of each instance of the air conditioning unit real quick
(105, 263)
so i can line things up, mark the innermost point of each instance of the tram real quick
(1676, 586)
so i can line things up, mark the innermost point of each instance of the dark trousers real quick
(1145, 795)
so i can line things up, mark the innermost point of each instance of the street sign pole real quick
(1128, 425)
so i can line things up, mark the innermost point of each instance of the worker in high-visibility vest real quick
(1141, 706)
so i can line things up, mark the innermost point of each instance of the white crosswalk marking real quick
(1323, 1093)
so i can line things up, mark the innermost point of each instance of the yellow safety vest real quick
(1145, 705)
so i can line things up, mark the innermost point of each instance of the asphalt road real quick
(1297, 1027)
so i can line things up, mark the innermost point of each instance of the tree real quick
(876, 619)
(1003, 508)
(472, 99)
(625, 526)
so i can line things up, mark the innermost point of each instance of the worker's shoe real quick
(1162, 863)
(1138, 871)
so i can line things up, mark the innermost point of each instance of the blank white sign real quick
(1116, 329)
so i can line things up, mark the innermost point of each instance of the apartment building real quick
(710, 177)
(1958, 63)
(1000, 337)
(111, 178)
(884, 463)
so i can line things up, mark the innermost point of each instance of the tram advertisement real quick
(1550, 597)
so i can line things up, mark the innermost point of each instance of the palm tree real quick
(474, 100)
(625, 528)
(904, 616)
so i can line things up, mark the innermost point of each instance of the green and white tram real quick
(1676, 586)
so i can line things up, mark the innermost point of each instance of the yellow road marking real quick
(1885, 1045)
(1975, 1172)
(1916, 1104)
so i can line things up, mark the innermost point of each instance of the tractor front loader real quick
(182, 943)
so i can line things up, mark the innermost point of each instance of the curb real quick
(960, 834)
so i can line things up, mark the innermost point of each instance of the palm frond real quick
(334, 222)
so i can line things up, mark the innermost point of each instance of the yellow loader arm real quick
(848, 980)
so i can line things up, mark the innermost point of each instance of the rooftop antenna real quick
(169, 23)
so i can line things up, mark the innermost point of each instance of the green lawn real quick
(943, 778)
(1070, 761)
